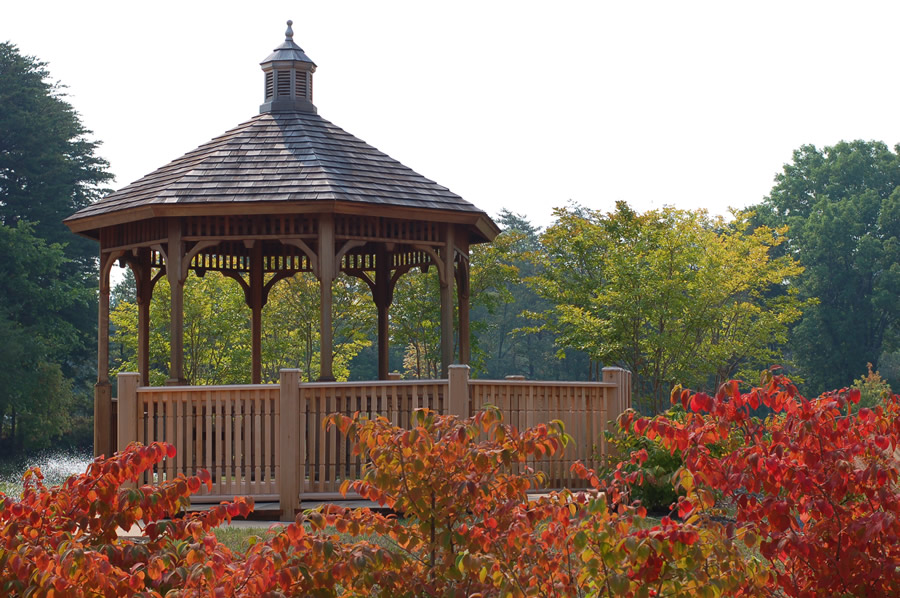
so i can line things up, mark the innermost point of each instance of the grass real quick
(240, 539)
(11, 488)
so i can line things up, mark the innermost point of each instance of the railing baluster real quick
(229, 433)
(257, 442)
(241, 474)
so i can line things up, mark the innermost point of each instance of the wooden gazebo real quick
(285, 192)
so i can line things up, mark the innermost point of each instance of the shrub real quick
(816, 481)
(873, 389)
(469, 529)
(654, 487)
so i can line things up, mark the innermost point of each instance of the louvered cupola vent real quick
(284, 83)
(301, 86)
(288, 78)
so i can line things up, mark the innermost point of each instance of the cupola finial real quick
(289, 34)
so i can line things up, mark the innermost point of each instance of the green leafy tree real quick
(873, 389)
(416, 310)
(216, 332)
(506, 339)
(217, 329)
(291, 326)
(672, 295)
(842, 207)
(416, 323)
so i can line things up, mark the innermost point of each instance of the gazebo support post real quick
(462, 289)
(103, 389)
(382, 295)
(144, 296)
(447, 276)
(174, 255)
(326, 278)
(256, 305)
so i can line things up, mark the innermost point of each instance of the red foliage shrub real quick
(469, 529)
(816, 481)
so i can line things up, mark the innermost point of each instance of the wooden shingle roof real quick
(276, 158)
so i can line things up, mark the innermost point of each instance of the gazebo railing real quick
(267, 440)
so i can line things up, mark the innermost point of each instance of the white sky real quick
(522, 105)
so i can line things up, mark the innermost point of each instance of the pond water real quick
(56, 467)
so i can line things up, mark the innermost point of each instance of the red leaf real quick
(640, 425)
(701, 402)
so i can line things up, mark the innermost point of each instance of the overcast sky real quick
(519, 105)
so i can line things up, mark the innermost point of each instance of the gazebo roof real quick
(277, 157)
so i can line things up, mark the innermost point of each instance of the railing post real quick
(291, 446)
(127, 417)
(622, 379)
(458, 400)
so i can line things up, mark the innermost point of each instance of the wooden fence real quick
(267, 441)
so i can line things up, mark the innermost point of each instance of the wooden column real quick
(127, 409)
(256, 305)
(382, 294)
(142, 276)
(292, 445)
(458, 391)
(462, 282)
(447, 276)
(327, 272)
(102, 389)
(174, 257)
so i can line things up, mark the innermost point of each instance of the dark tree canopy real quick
(842, 206)
(35, 394)
(48, 168)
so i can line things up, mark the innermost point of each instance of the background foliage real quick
(48, 312)
(842, 207)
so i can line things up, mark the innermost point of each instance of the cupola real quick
(288, 78)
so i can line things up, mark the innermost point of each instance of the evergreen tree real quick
(35, 395)
(48, 167)
(48, 170)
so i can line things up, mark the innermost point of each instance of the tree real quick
(672, 295)
(415, 321)
(291, 325)
(48, 170)
(217, 329)
(507, 341)
(842, 207)
(416, 315)
(35, 395)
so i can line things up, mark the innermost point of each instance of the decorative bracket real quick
(435, 259)
(106, 264)
(190, 255)
(310, 254)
